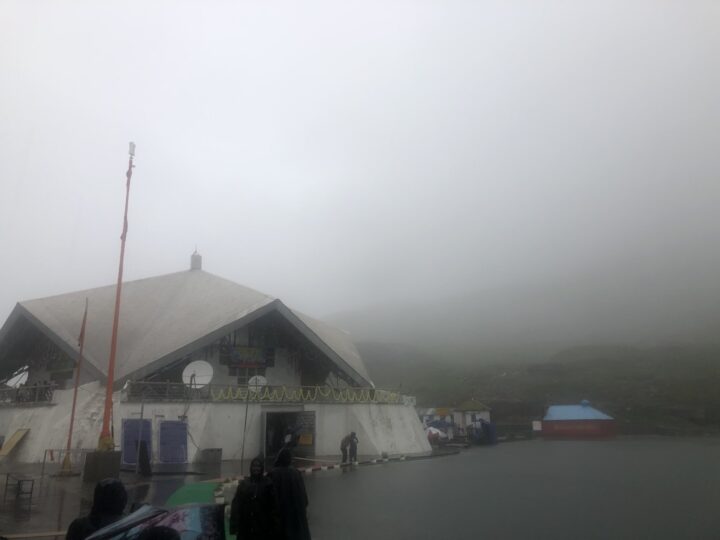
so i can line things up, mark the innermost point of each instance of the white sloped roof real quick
(339, 342)
(164, 317)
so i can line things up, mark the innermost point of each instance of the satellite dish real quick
(197, 374)
(257, 380)
(18, 380)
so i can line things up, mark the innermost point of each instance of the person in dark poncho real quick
(291, 497)
(109, 501)
(349, 442)
(253, 513)
(353, 447)
(159, 533)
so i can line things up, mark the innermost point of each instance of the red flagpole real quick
(81, 341)
(106, 438)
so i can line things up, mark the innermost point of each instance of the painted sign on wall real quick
(246, 357)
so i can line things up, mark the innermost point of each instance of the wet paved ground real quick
(627, 488)
(57, 501)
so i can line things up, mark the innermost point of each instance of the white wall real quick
(394, 429)
(210, 425)
(49, 423)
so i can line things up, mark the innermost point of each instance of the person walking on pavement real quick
(109, 501)
(344, 445)
(349, 442)
(291, 498)
(353, 447)
(253, 513)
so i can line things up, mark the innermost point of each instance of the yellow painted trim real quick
(14, 439)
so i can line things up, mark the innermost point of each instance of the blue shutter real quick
(173, 441)
(132, 431)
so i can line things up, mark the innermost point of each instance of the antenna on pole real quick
(106, 441)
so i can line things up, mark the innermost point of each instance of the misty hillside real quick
(522, 349)
(649, 390)
(533, 322)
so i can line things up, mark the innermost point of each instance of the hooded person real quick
(353, 447)
(109, 500)
(349, 442)
(291, 498)
(253, 513)
(159, 532)
(344, 445)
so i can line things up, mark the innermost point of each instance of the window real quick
(245, 374)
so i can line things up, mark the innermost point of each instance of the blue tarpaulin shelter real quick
(575, 412)
(577, 421)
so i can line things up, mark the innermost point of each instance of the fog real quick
(365, 157)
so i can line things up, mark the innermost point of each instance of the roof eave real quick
(320, 344)
(193, 346)
(73, 353)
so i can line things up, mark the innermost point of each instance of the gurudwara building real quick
(202, 364)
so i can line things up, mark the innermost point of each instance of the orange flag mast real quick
(106, 441)
(66, 465)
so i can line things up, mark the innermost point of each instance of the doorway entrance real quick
(293, 429)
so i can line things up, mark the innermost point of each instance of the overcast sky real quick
(342, 154)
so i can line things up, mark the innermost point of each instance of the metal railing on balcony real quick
(167, 391)
(27, 395)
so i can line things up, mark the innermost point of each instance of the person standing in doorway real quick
(291, 437)
(291, 498)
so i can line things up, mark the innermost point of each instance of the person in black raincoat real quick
(353, 447)
(349, 442)
(158, 532)
(253, 513)
(109, 501)
(291, 498)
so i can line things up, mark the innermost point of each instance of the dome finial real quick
(195, 260)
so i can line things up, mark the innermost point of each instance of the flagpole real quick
(106, 441)
(66, 465)
(247, 405)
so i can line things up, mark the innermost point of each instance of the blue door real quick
(173, 441)
(134, 430)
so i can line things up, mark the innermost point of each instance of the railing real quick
(166, 391)
(27, 395)
(54, 458)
